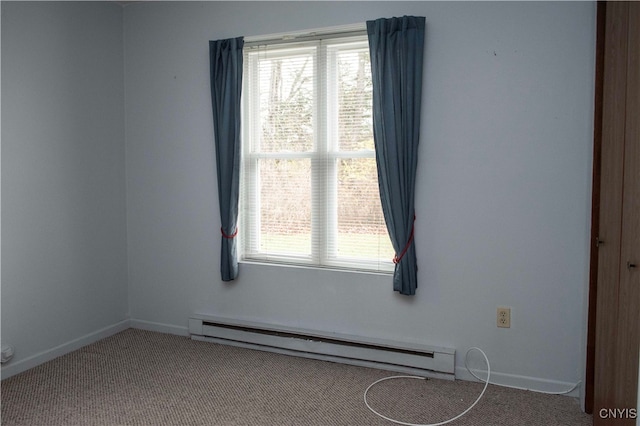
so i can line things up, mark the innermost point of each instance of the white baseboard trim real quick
(159, 327)
(512, 380)
(533, 384)
(17, 367)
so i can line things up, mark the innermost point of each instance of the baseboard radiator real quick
(407, 358)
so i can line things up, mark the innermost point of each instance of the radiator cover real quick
(403, 357)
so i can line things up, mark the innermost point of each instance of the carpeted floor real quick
(144, 378)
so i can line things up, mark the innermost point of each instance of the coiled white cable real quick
(418, 377)
(486, 384)
(518, 387)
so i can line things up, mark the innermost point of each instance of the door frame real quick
(595, 207)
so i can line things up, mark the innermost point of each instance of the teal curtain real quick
(225, 58)
(396, 46)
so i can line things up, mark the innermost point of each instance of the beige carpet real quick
(144, 378)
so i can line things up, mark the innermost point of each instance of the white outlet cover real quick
(7, 353)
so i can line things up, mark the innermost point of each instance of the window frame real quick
(324, 157)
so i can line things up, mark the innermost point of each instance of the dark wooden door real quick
(618, 286)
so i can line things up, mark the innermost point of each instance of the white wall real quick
(64, 267)
(503, 195)
(503, 190)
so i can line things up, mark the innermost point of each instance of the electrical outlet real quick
(6, 353)
(504, 317)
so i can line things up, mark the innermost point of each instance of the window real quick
(309, 187)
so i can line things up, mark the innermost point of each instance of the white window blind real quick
(309, 189)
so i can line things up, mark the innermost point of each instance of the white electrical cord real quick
(418, 377)
(486, 383)
(518, 387)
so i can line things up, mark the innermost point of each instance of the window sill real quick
(315, 267)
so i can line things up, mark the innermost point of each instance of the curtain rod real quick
(298, 38)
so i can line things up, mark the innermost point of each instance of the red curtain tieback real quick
(396, 258)
(229, 236)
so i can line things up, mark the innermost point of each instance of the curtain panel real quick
(396, 47)
(225, 58)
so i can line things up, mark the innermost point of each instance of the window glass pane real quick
(309, 154)
(285, 207)
(286, 102)
(355, 93)
(362, 232)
